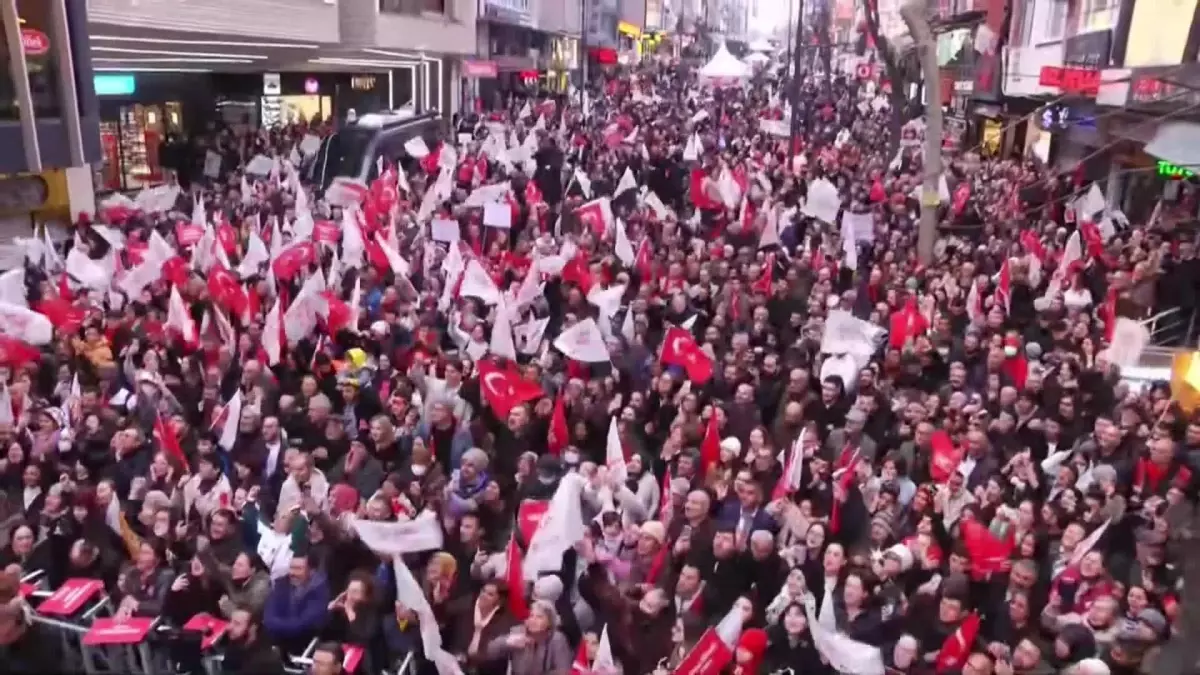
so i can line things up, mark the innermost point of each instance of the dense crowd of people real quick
(632, 384)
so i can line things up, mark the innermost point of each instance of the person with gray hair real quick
(537, 647)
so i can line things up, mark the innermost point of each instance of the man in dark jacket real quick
(548, 175)
(248, 652)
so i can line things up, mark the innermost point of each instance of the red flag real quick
(844, 482)
(578, 272)
(944, 458)
(708, 657)
(176, 271)
(957, 647)
(710, 447)
(518, 606)
(664, 500)
(1108, 313)
(1004, 286)
(559, 432)
(680, 349)
(644, 263)
(657, 565)
(504, 390)
(188, 234)
(582, 664)
(225, 290)
(64, 316)
(326, 232)
(384, 194)
(15, 353)
(763, 283)
(293, 259)
(340, 315)
(958, 202)
(987, 552)
(529, 517)
(165, 434)
(227, 236)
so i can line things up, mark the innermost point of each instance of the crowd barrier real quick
(79, 615)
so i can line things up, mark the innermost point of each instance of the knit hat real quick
(902, 554)
(548, 588)
(655, 530)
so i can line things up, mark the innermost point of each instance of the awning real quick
(1177, 142)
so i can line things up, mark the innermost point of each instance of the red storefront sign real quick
(34, 42)
(480, 69)
(1082, 81)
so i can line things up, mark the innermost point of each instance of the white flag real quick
(529, 335)
(608, 300)
(560, 528)
(24, 324)
(233, 418)
(622, 246)
(399, 265)
(502, 335)
(583, 342)
(12, 287)
(614, 454)
(626, 183)
(530, 289)
(271, 340)
(179, 318)
(416, 147)
(477, 283)
(585, 183)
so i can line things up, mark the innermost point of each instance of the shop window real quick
(133, 145)
(413, 7)
(40, 61)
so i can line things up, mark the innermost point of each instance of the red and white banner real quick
(70, 597)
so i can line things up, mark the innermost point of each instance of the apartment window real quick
(413, 6)
(1098, 15)
(1050, 22)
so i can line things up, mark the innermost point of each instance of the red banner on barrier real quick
(354, 656)
(708, 657)
(117, 632)
(70, 597)
(212, 628)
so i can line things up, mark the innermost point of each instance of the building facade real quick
(1117, 85)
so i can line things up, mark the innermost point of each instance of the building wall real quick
(633, 12)
(602, 17)
(561, 16)
(306, 20)
(361, 24)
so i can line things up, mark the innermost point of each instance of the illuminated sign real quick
(1173, 172)
(1081, 81)
(114, 85)
(362, 82)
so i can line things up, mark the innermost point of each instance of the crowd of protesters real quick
(976, 491)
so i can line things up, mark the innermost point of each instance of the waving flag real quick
(680, 349)
(958, 646)
(505, 389)
(583, 342)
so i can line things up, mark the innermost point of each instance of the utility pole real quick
(787, 66)
(797, 81)
(915, 15)
(583, 55)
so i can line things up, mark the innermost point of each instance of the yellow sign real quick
(629, 29)
(1158, 32)
(362, 82)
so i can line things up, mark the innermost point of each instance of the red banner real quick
(109, 631)
(210, 627)
(529, 516)
(708, 657)
(70, 597)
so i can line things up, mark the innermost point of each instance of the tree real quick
(900, 69)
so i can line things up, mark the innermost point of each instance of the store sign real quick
(1078, 81)
(1088, 51)
(272, 86)
(34, 42)
(114, 85)
(1173, 172)
(480, 69)
(362, 82)
(514, 12)
(629, 30)
(312, 86)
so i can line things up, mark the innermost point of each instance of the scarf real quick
(481, 622)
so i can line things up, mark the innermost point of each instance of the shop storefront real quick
(629, 42)
(560, 64)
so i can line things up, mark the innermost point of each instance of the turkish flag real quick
(188, 234)
(578, 272)
(340, 314)
(559, 431)
(384, 194)
(518, 606)
(136, 250)
(64, 316)
(680, 349)
(293, 259)
(945, 458)
(165, 434)
(176, 271)
(529, 516)
(14, 353)
(225, 290)
(532, 194)
(763, 283)
(227, 236)
(326, 232)
(957, 647)
(504, 389)
(986, 551)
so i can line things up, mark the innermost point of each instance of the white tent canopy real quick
(724, 67)
(762, 45)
